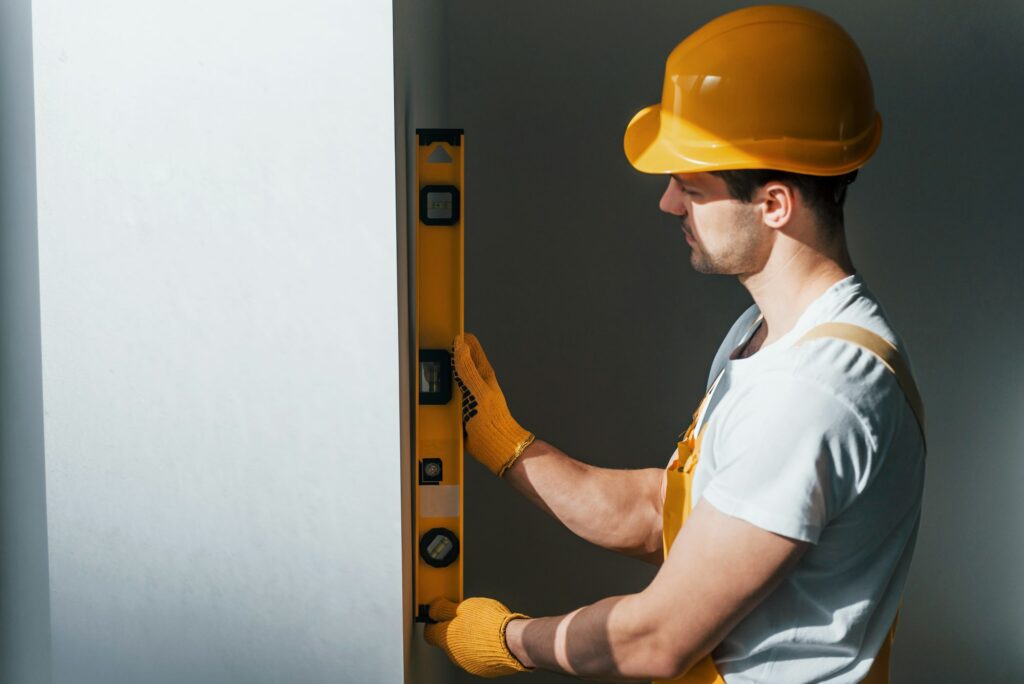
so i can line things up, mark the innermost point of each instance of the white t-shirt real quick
(816, 442)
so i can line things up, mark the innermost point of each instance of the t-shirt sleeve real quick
(789, 456)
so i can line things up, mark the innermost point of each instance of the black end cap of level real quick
(424, 615)
(429, 136)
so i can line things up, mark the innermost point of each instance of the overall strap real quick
(886, 352)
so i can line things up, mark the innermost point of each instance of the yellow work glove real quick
(493, 437)
(472, 634)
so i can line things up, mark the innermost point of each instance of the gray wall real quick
(220, 338)
(601, 334)
(24, 585)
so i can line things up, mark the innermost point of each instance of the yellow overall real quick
(679, 489)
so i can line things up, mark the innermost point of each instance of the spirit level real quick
(439, 318)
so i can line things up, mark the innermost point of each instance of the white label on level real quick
(439, 501)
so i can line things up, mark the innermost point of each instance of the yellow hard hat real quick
(768, 87)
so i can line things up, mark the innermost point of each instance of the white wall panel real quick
(217, 243)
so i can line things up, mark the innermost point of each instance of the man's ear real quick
(777, 201)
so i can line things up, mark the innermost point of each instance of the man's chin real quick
(701, 265)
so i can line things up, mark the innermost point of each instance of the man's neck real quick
(787, 285)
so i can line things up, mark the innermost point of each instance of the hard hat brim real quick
(692, 149)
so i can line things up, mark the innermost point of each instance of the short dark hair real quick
(824, 194)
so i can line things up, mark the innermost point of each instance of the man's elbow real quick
(670, 663)
(663, 668)
(659, 654)
(648, 660)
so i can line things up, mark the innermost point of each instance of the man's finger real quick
(466, 370)
(442, 610)
(483, 365)
(436, 634)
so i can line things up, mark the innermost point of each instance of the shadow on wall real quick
(24, 573)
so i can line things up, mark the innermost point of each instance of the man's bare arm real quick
(719, 569)
(616, 509)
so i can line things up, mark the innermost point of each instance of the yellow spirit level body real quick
(439, 318)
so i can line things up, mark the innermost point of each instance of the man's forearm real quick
(616, 509)
(608, 640)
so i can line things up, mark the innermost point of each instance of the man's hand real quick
(493, 437)
(472, 634)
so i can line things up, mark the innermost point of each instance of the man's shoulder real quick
(853, 374)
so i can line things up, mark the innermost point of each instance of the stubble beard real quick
(738, 256)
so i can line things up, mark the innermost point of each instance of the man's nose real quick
(673, 200)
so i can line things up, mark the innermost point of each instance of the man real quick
(786, 519)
